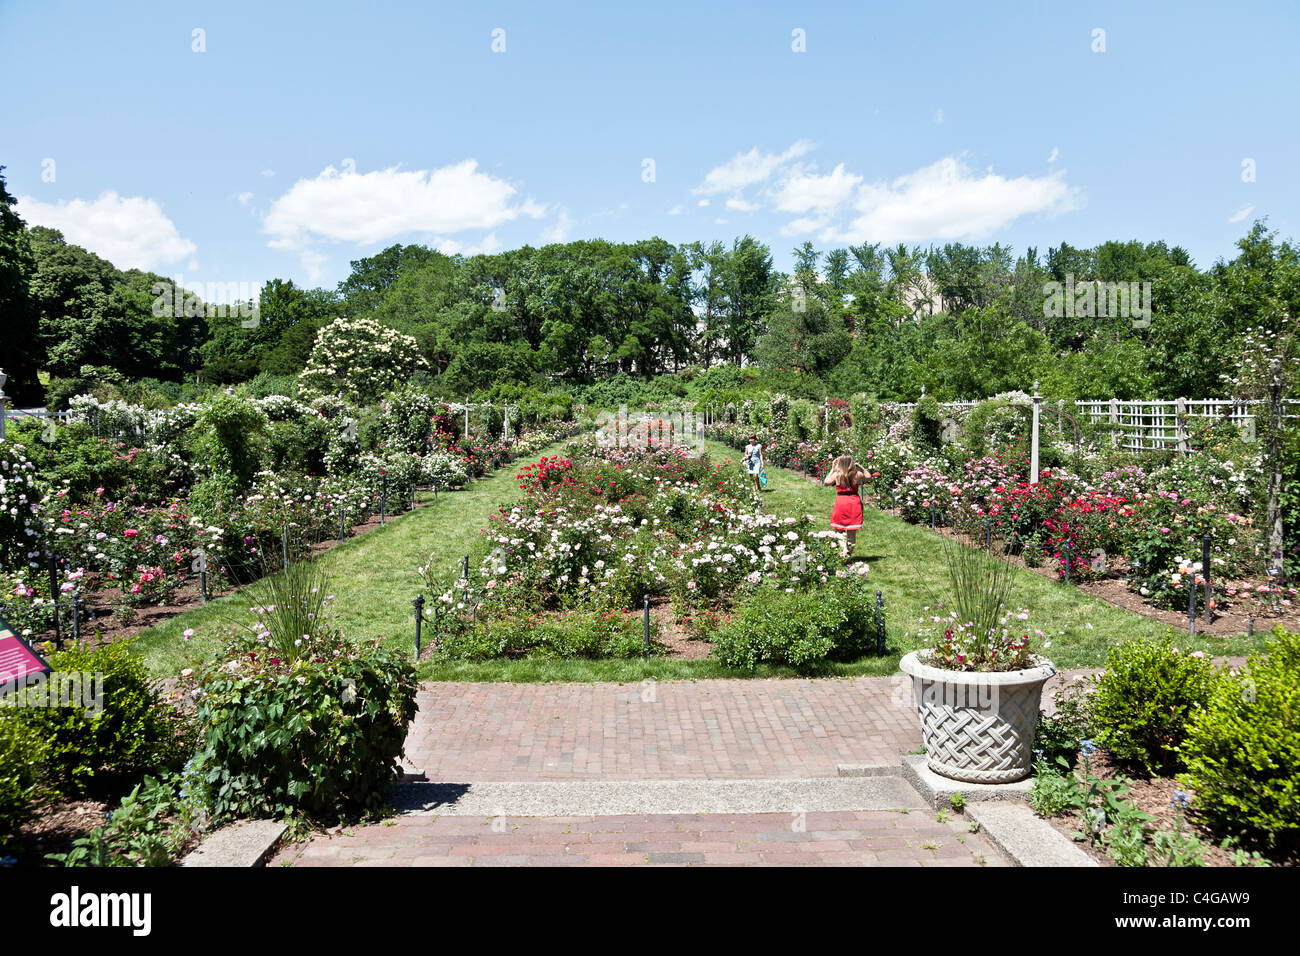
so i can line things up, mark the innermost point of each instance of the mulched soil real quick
(54, 829)
(677, 641)
(1154, 796)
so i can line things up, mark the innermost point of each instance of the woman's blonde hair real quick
(845, 473)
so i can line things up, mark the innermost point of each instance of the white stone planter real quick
(978, 727)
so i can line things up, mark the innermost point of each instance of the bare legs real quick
(848, 541)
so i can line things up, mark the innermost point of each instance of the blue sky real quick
(306, 135)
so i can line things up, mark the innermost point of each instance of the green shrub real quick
(927, 423)
(104, 745)
(1145, 701)
(298, 445)
(1032, 551)
(22, 755)
(225, 445)
(1243, 750)
(775, 627)
(84, 461)
(804, 421)
(319, 736)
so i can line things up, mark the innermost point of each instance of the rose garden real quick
(277, 589)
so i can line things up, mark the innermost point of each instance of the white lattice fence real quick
(1148, 424)
(1165, 423)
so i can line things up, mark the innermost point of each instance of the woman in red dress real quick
(846, 475)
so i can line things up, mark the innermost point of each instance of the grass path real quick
(373, 576)
(374, 579)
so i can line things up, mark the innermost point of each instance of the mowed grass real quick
(373, 577)
(374, 580)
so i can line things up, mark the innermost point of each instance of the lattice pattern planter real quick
(978, 727)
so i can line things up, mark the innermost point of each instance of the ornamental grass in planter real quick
(293, 718)
(978, 690)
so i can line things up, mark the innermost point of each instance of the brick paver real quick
(849, 838)
(468, 732)
(665, 730)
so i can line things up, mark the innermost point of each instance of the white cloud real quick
(938, 117)
(558, 232)
(947, 200)
(803, 192)
(268, 173)
(131, 232)
(748, 169)
(1241, 213)
(1056, 154)
(804, 225)
(245, 198)
(452, 247)
(676, 210)
(387, 203)
(532, 209)
(740, 205)
(702, 203)
(314, 262)
(720, 222)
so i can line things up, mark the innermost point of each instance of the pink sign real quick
(17, 660)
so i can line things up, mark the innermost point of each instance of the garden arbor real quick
(1036, 410)
(484, 411)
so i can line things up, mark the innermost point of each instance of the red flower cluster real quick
(547, 473)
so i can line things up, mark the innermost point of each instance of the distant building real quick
(921, 295)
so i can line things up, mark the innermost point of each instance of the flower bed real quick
(1096, 512)
(602, 529)
(231, 487)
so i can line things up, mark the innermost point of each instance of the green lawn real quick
(375, 579)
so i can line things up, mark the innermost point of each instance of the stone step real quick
(244, 843)
(547, 798)
(1026, 839)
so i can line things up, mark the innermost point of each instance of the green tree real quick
(23, 355)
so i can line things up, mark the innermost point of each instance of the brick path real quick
(665, 730)
(468, 732)
(849, 838)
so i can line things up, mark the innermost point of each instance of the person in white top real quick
(754, 461)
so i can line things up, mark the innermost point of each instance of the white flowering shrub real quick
(360, 357)
(19, 497)
(112, 417)
(281, 408)
(406, 420)
(442, 470)
(402, 471)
